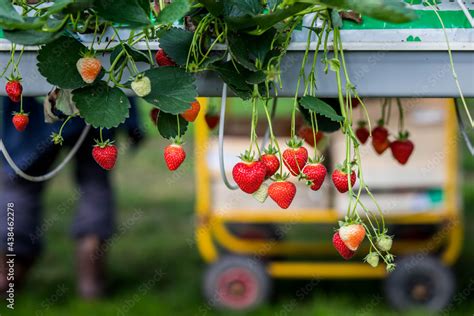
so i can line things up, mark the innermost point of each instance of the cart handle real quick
(221, 136)
(54, 172)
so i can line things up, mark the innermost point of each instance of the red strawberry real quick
(306, 133)
(249, 174)
(270, 161)
(154, 114)
(345, 252)
(295, 157)
(20, 121)
(14, 90)
(89, 68)
(282, 192)
(362, 132)
(339, 178)
(191, 114)
(174, 155)
(212, 120)
(380, 140)
(352, 235)
(105, 155)
(162, 59)
(315, 173)
(402, 148)
(355, 103)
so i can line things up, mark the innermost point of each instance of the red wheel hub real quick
(237, 288)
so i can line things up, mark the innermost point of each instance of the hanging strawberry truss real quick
(244, 43)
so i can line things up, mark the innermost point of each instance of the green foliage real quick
(172, 89)
(176, 43)
(173, 12)
(130, 12)
(9, 18)
(31, 37)
(57, 62)
(235, 78)
(394, 11)
(136, 55)
(168, 125)
(320, 107)
(101, 105)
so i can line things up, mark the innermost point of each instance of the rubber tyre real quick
(236, 283)
(420, 281)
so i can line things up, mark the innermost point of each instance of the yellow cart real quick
(246, 244)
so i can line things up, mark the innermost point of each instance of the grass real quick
(154, 266)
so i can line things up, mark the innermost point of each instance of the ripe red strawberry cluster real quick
(402, 148)
(250, 173)
(14, 90)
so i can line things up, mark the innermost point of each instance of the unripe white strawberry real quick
(384, 243)
(373, 259)
(141, 86)
(261, 194)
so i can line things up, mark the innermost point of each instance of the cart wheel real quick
(420, 281)
(237, 283)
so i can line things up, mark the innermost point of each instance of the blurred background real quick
(154, 266)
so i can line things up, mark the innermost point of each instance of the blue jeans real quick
(93, 198)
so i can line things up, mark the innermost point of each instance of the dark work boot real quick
(90, 268)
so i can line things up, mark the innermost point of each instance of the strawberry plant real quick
(244, 43)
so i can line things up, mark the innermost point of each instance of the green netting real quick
(426, 20)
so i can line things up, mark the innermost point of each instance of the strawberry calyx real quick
(13, 78)
(381, 122)
(349, 221)
(103, 144)
(281, 177)
(402, 136)
(295, 143)
(316, 160)
(88, 54)
(362, 123)
(177, 141)
(247, 157)
(271, 150)
(20, 113)
(344, 168)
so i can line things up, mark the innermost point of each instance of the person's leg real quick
(20, 211)
(94, 222)
(20, 228)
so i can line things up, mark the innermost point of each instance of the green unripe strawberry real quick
(384, 243)
(141, 86)
(373, 259)
(261, 194)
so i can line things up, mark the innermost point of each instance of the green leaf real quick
(174, 11)
(324, 124)
(172, 89)
(9, 18)
(235, 78)
(58, 6)
(238, 50)
(138, 56)
(168, 125)
(215, 7)
(394, 11)
(240, 8)
(101, 105)
(320, 107)
(130, 12)
(261, 23)
(334, 64)
(31, 37)
(256, 77)
(57, 62)
(336, 19)
(176, 43)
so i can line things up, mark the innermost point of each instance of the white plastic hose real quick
(52, 173)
